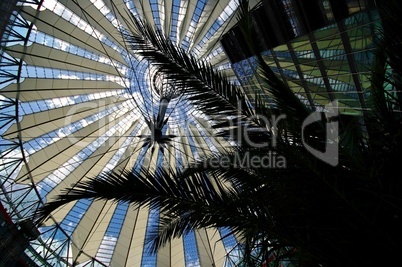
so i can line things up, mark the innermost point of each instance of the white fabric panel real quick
(48, 22)
(38, 89)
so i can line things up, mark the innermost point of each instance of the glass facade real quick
(322, 58)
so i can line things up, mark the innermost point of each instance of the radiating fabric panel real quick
(76, 101)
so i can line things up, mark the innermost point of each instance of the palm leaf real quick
(193, 77)
(187, 202)
(317, 209)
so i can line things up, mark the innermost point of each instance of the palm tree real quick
(310, 213)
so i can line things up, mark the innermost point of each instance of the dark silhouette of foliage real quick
(309, 212)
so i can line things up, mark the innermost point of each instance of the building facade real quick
(323, 50)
